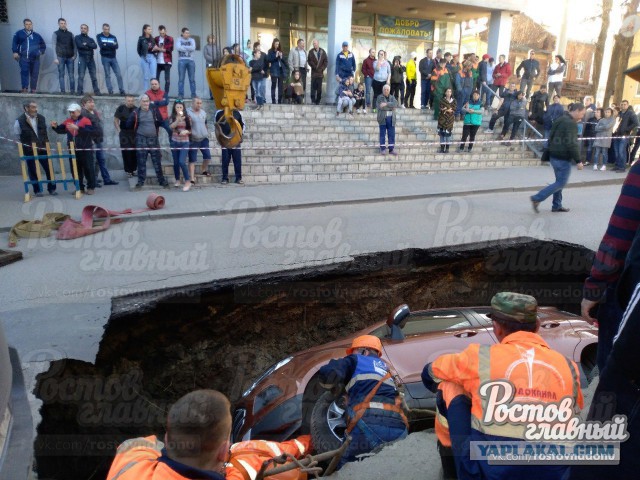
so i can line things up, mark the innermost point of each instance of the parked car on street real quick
(280, 403)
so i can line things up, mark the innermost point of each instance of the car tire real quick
(325, 413)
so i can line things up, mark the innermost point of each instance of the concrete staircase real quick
(302, 143)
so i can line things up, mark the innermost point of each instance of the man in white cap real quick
(80, 131)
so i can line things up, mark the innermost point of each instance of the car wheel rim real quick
(335, 421)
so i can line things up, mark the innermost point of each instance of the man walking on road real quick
(85, 46)
(108, 47)
(563, 147)
(28, 46)
(65, 46)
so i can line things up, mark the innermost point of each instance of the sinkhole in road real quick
(160, 345)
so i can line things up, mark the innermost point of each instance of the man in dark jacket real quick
(165, 56)
(374, 411)
(556, 110)
(531, 69)
(426, 67)
(65, 54)
(85, 46)
(145, 122)
(367, 72)
(27, 48)
(508, 96)
(345, 63)
(31, 127)
(80, 131)
(627, 120)
(563, 147)
(539, 105)
(318, 62)
(89, 111)
(108, 46)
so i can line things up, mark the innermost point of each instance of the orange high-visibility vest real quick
(538, 374)
(247, 458)
(449, 392)
(137, 459)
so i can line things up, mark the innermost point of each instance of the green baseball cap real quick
(514, 307)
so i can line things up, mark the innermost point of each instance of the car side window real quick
(435, 322)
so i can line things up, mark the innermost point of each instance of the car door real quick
(427, 336)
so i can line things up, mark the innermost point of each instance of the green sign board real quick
(405, 27)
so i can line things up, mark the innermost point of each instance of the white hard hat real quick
(414, 54)
(74, 107)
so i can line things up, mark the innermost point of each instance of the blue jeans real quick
(368, 83)
(149, 146)
(188, 66)
(113, 63)
(589, 146)
(562, 171)
(67, 63)
(620, 146)
(149, 66)
(203, 146)
(29, 70)
(600, 152)
(260, 86)
(462, 98)
(425, 92)
(101, 162)
(387, 128)
(364, 438)
(179, 152)
(85, 63)
(227, 155)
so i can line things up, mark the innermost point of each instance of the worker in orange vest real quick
(522, 360)
(197, 446)
(374, 407)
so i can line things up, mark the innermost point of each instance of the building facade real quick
(399, 27)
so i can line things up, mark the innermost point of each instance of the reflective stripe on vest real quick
(368, 376)
(248, 469)
(300, 446)
(134, 443)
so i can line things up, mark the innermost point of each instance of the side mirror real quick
(399, 316)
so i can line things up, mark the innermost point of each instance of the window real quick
(435, 322)
(4, 13)
(580, 68)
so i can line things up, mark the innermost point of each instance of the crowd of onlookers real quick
(454, 88)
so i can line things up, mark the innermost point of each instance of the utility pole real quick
(561, 47)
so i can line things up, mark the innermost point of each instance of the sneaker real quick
(111, 182)
(595, 167)
(337, 114)
(122, 92)
(165, 185)
(603, 168)
(393, 152)
(358, 111)
(177, 184)
(138, 186)
(561, 209)
(461, 148)
(488, 131)
(90, 191)
(364, 110)
(402, 106)
(53, 194)
(39, 194)
(383, 152)
(224, 181)
(350, 114)
(423, 107)
(240, 182)
(187, 186)
(374, 110)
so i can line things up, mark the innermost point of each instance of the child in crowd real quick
(359, 97)
(181, 127)
(294, 93)
(602, 142)
(472, 120)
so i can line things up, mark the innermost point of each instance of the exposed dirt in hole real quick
(222, 335)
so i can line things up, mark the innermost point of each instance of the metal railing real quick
(535, 146)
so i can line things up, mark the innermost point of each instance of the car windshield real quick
(428, 322)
